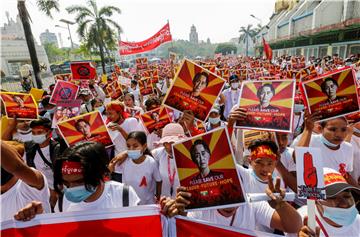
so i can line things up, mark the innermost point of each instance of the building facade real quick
(193, 36)
(48, 38)
(313, 28)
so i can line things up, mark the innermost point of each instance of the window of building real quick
(354, 49)
(323, 51)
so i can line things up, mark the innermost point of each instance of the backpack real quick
(31, 148)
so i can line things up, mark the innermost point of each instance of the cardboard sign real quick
(86, 127)
(64, 91)
(269, 105)
(333, 94)
(66, 110)
(194, 88)
(37, 93)
(114, 90)
(141, 63)
(83, 71)
(155, 119)
(145, 86)
(19, 105)
(206, 168)
(309, 173)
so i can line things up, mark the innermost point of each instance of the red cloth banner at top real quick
(267, 50)
(153, 42)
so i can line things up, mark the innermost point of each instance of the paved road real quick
(16, 85)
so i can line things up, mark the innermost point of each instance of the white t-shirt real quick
(23, 136)
(43, 167)
(355, 142)
(111, 197)
(287, 159)
(151, 139)
(142, 177)
(161, 156)
(129, 125)
(136, 94)
(352, 230)
(333, 158)
(248, 216)
(21, 194)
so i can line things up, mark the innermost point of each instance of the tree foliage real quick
(226, 48)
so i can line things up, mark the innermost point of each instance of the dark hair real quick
(262, 87)
(258, 142)
(152, 101)
(93, 159)
(198, 75)
(93, 101)
(141, 138)
(134, 82)
(198, 142)
(323, 123)
(233, 77)
(45, 101)
(131, 95)
(79, 121)
(45, 122)
(324, 82)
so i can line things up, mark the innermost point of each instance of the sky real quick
(219, 20)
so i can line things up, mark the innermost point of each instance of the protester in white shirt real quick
(20, 184)
(130, 107)
(355, 142)
(171, 133)
(230, 96)
(214, 120)
(135, 91)
(18, 130)
(85, 95)
(337, 214)
(139, 169)
(119, 125)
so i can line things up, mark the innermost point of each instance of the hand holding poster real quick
(83, 71)
(332, 95)
(206, 168)
(64, 91)
(269, 105)
(194, 88)
(19, 105)
(156, 119)
(86, 127)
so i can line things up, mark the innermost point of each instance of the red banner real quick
(153, 42)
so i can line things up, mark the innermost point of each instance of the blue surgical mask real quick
(100, 109)
(51, 111)
(260, 180)
(134, 154)
(341, 216)
(38, 139)
(327, 143)
(214, 121)
(298, 108)
(77, 194)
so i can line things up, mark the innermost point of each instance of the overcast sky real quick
(219, 20)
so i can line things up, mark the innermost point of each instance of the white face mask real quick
(235, 85)
(39, 139)
(214, 121)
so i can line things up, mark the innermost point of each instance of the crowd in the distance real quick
(40, 174)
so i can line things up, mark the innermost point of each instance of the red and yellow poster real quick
(206, 168)
(353, 117)
(19, 105)
(155, 119)
(114, 90)
(83, 71)
(141, 63)
(308, 73)
(145, 86)
(64, 91)
(63, 77)
(333, 94)
(194, 88)
(269, 105)
(86, 127)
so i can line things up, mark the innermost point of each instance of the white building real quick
(48, 37)
(14, 50)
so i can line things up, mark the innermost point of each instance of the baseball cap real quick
(172, 132)
(84, 91)
(335, 183)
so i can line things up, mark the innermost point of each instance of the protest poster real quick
(353, 117)
(333, 94)
(141, 64)
(206, 168)
(194, 88)
(269, 105)
(37, 93)
(145, 86)
(85, 127)
(251, 135)
(83, 71)
(64, 91)
(156, 119)
(224, 73)
(114, 90)
(65, 110)
(309, 173)
(308, 73)
(63, 77)
(117, 69)
(19, 105)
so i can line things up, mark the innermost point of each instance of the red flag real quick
(267, 50)
(162, 36)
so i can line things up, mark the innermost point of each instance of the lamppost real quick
(68, 27)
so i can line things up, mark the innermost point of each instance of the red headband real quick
(263, 151)
(42, 127)
(71, 167)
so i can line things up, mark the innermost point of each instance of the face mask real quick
(341, 216)
(77, 194)
(327, 143)
(214, 120)
(23, 132)
(134, 154)
(298, 108)
(39, 138)
(100, 109)
(260, 180)
(51, 111)
(234, 85)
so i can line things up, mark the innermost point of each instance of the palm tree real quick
(45, 6)
(94, 24)
(245, 34)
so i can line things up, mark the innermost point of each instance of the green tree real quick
(45, 6)
(226, 48)
(247, 33)
(94, 25)
(54, 53)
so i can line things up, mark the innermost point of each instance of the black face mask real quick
(5, 176)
